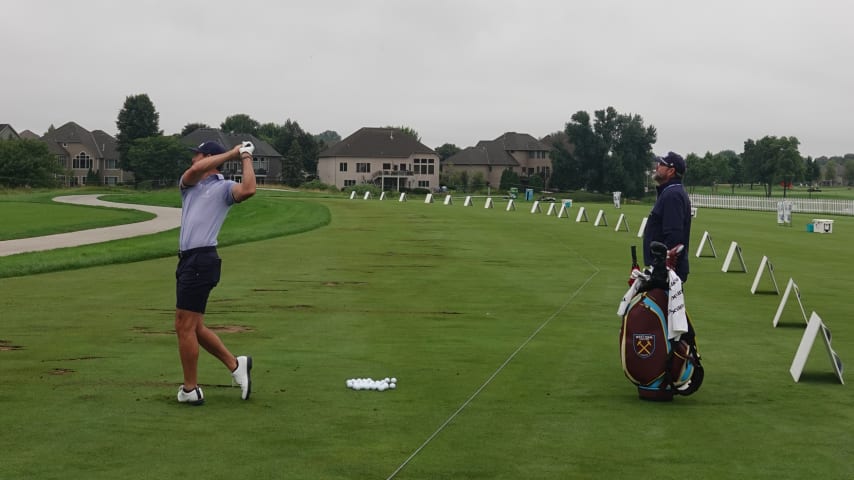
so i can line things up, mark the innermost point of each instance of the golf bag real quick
(658, 366)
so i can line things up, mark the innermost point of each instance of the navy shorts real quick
(197, 274)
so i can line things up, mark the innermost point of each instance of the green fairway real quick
(501, 328)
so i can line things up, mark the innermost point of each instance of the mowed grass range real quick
(500, 327)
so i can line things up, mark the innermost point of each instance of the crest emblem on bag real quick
(644, 344)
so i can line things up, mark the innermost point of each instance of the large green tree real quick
(613, 153)
(240, 123)
(282, 138)
(158, 160)
(137, 119)
(771, 160)
(28, 163)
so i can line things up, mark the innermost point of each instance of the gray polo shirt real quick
(203, 210)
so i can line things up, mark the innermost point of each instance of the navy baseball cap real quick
(673, 160)
(209, 148)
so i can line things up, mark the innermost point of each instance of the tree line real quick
(603, 152)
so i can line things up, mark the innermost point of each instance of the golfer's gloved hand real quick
(247, 148)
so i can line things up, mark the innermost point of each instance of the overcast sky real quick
(707, 75)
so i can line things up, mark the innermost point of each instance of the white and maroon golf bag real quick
(658, 348)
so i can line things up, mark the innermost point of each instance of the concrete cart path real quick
(166, 218)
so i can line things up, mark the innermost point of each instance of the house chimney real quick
(391, 134)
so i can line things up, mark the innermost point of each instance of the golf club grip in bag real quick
(658, 367)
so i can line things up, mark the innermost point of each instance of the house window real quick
(349, 183)
(111, 180)
(424, 183)
(260, 164)
(111, 164)
(82, 160)
(342, 167)
(386, 166)
(363, 167)
(403, 167)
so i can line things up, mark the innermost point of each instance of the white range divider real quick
(489, 203)
(790, 287)
(535, 208)
(734, 250)
(510, 205)
(428, 198)
(706, 238)
(582, 213)
(813, 326)
(563, 213)
(448, 200)
(352, 195)
(642, 227)
(402, 197)
(764, 265)
(468, 202)
(382, 196)
(551, 210)
(600, 218)
(367, 195)
(622, 221)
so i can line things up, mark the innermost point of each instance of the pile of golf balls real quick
(371, 384)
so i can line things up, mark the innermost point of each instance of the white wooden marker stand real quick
(511, 205)
(382, 196)
(790, 287)
(448, 200)
(706, 238)
(488, 203)
(467, 202)
(734, 250)
(582, 214)
(428, 198)
(622, 221)
(642, 227)
(352, 195)
(600, 219)
(765, 264)
(535, 208)
(367, 196)
(813, 327)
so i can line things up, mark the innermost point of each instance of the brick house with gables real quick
(266, 161)
(80, 152)
(519, 152)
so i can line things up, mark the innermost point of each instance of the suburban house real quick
(385, 157)
(8, 133)
(81, 152)
(519, 152)
(266, 161)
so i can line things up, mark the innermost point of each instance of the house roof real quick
(484, 153)
(377, 143)
(68, 134)
(521, 141)
(29, 135)
(228, 140)
(6, 131)
(107, 143)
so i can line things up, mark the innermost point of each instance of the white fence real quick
(800, 205)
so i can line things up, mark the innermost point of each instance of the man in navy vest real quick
(669, 221)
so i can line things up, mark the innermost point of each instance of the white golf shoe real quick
(241, 376)
(193, 397)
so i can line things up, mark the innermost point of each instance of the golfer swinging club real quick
(205, 199)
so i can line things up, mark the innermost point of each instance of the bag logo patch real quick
(644, 344)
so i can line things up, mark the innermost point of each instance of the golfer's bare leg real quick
(211, 342)
(186, 326)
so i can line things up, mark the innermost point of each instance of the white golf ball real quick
(393, 380)
(382, 387)
(392, 385)
(349, 383)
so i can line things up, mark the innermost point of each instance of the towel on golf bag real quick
(658, 359)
